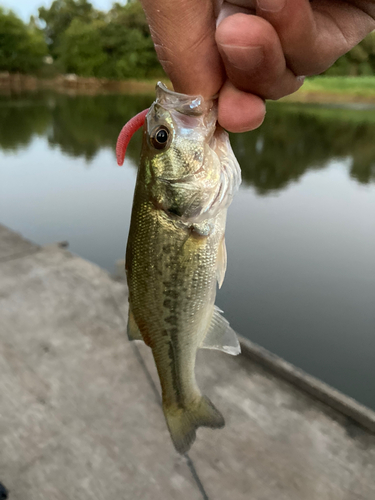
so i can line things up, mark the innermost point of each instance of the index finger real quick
(184, 36)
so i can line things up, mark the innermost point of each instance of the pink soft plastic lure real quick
(127, 133)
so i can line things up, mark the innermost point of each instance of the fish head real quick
(185, 154)
(178, 128)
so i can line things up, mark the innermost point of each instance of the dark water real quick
(300, 234)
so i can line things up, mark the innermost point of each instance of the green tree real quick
(81, 48)
(360, 61)
(59, 16)
(128, 44)
(22, 47)
(90, 43)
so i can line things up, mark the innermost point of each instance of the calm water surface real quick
(300, 233)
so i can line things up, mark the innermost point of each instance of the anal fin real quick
(132, 329)
(221, 336)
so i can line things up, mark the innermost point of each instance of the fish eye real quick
(159, 138)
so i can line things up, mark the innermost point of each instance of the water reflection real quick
(298, 139)
(83, 125)
(291, 141)
(301, 269)
(21, 119)
(79, 126)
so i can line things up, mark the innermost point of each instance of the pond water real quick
(300, 233)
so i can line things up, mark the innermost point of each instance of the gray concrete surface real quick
(13, 246)
(80, 412)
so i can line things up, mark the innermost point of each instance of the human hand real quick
(251, 50)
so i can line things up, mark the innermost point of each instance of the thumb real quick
(184, 37)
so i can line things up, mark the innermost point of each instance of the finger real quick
(239, 111)
(314, 35)
(184, 36)
(253, 57)
(229, 8)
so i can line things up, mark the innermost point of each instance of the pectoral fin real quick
(133, 330)
(221, 263)
(221, 336)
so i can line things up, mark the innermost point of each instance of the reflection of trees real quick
(82, 125)
(292, 140)
(79, 125)
(363, 161)
(20, 120)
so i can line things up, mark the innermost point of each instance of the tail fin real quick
(183, 422)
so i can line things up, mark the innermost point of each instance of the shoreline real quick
(316, 90)
(308, 97)
(73, 83)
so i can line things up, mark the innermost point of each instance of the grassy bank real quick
(72, 83)
(319, 89)
(329, 89)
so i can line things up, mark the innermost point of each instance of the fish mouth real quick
(190, 105)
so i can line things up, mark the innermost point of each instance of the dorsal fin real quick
(127, 133)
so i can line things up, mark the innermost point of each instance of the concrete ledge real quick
(13, 245)
(311, 385)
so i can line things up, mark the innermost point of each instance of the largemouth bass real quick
(176, 252)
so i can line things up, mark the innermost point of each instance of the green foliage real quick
(128, 43)
(115, 45)
(59, 16)
(90, 43)
(360, 61)
(81, 49)
(363, 86)
(22, 47)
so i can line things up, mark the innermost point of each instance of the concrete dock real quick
(80, 414)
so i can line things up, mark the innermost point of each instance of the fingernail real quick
(244, 58)
(271, 5)
(301, 78)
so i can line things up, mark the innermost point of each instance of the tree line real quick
(81, 40)
(115, 44)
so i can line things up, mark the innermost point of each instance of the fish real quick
(176, 254)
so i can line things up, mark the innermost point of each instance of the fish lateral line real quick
(127, 132)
